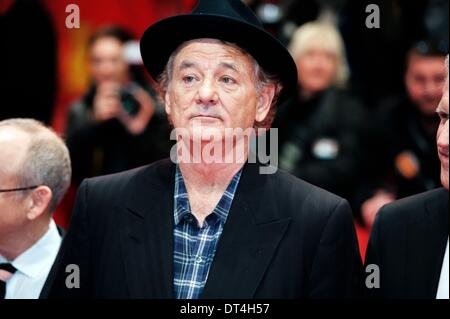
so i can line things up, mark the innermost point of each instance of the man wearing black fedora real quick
(210, 229)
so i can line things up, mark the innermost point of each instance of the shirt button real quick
(189, 218)
(198, 259)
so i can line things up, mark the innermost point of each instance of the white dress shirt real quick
(33, 266)
(442, 292)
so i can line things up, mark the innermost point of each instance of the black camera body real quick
(129, 102)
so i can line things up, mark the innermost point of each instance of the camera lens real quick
(129, 102)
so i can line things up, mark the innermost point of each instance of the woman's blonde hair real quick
(325, 36)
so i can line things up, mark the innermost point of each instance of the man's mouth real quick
(206, 117)
(443, 153)
(443, 156)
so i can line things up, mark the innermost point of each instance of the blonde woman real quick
(320, 127)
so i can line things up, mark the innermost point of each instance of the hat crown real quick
(227, 20)
(234, 9)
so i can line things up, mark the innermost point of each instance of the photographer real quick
(117, 124)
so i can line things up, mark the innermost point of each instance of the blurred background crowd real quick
(362, 123)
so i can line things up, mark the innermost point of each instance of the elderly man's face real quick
(442, 136)
(213, 86)
(424, 79)
(13, 147)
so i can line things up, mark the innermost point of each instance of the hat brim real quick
(161, 39)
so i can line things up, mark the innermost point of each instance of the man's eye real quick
(443, 116)
(228, 80)
(188, 79)
(419, 79)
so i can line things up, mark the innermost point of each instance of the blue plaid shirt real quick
(194, 247)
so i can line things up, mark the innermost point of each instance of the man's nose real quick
(442, 140)
(207, 93)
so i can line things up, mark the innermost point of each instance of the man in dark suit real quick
(409, 240)
(210, 229)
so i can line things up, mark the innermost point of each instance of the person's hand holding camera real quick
(107, 104)
(136, 119)
(133, 108)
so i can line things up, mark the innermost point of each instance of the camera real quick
(129, 102)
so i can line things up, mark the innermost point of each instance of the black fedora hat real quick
(227, 20)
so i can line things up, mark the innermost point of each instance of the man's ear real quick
(265, 99)
(39, 202)
(167, 104)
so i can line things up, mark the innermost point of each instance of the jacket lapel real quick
(249, 240)
(147, 233)
(437, 210)
(427, 238)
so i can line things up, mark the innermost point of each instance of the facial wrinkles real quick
(208, 64)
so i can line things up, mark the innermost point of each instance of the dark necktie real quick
(6, 272)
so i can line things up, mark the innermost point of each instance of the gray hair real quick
(47, 161)
(263, 79)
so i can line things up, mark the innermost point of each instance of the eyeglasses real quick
(18, 189)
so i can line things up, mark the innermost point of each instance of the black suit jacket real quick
(408, 243)
(51, 274)
(283, 238)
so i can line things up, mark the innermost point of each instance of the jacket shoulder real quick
(114, 185)
(306, 202)
(410, 209)
(300, 190)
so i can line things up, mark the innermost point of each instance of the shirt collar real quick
(181, 200)
(39, 256)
